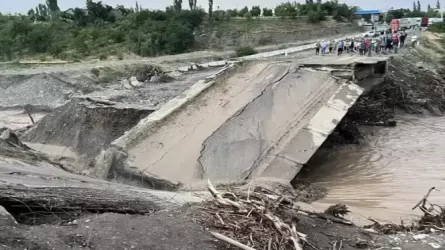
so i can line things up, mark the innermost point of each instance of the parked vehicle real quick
(395, 25)
(424, 22)
(404, 24)
(434, 20)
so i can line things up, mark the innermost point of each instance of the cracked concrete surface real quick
(265, 120)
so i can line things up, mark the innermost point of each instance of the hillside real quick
(266, 31)
(102, 31)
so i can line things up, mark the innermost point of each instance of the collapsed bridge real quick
(254, 120)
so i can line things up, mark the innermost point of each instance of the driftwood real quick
(27, 109)
(423, 201)
(256, 219)
(30, 192)
(231, 241)
(433, 219)
(104, 102)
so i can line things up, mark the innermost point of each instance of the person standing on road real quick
(402, 39)
(367, 46)
(388, 44)
(346, 45)
(378, 44)
(395, 41)
(362, 47)
(340, 47)
(317, 48)
(331, 46)
(324, 46)
(351, 45)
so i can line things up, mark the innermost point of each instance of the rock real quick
(142, 78)
(420, 236)
(134, 82)
(6, 219)
(126, 84)
(362, 244)
(155, 79)
(434, 245)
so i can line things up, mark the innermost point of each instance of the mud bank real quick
(83, 126)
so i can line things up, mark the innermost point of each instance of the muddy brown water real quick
(387, 177)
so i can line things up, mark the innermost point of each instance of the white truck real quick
(404, 23)
(432, 20)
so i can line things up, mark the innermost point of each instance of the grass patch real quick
(245, 51)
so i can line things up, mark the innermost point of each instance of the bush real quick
(63, 56)
(103, 57)
(315, 16)
(265, 40)
(56, 50)
(267, 12)
(120, 56)
(42, 58)
(255, 11)
(243, 11)
(437, 27)
(286, 10)
(95, 72)
(245, 51)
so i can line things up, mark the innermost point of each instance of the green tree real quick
(255, 11)
(232, 12)
(32, 15)
(267, 12)
(177, 5)
(438, 5)
(428, 8)
(286, 10)
(414, 6)
(53, 8)
(192, 4)
(243, 11)
(419, 8)
(210, 9)
(43, 14)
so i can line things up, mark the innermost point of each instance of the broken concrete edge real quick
(111, 164)
(107, 158)
(319, 127)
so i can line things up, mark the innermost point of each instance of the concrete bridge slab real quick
(265, 120)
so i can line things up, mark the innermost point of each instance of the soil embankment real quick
(262, 32)
(84, 127)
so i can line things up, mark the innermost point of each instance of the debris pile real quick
(259, 218)
(432, 220)
(146, 74)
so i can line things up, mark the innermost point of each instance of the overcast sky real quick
(25, 5)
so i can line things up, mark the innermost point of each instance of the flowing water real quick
(386, 178)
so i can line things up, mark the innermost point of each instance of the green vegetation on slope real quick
(100, 29)
(437, 27)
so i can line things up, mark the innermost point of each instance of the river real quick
(386, 177)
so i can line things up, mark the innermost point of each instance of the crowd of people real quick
(386, 42)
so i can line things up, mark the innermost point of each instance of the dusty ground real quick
(176, 230)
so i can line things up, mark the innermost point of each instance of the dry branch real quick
(230, 241)
(257, 219)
